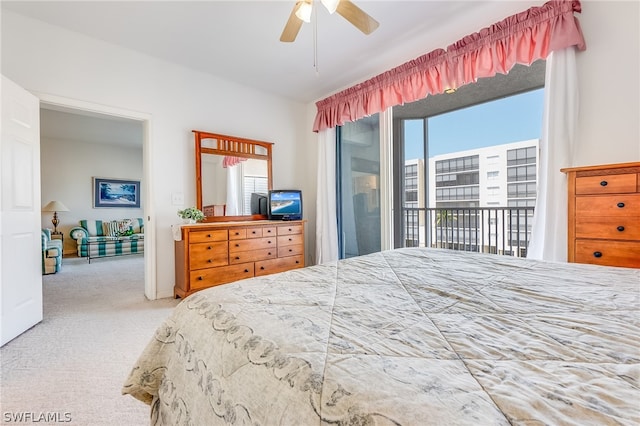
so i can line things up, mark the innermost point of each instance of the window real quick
(520, 173)
(457, 139)
(521, 156)
(458, 164)
(521, 203)
(252, 184)
(411, 196)
(521, 190)
(457, 179)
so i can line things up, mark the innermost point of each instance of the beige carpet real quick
(96, 323)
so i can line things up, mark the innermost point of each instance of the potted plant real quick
(191, 215)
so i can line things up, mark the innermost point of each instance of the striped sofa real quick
(100, 238)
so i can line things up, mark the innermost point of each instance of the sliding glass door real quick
(358, 187)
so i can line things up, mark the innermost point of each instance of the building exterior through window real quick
(480, 199)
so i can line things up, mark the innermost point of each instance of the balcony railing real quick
(499, 230)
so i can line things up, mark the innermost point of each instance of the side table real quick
(58, 236)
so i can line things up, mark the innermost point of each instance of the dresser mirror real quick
(228, 170)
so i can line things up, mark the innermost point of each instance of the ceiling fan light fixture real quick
(331, 5)
(303, 11)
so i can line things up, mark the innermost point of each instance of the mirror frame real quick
(236, 147)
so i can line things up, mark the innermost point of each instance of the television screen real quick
(259, 203)
(285, 204)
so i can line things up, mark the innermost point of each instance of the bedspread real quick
(402, 337)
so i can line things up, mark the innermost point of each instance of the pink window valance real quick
(230, 161)
(519, 39)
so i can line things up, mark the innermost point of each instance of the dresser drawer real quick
(290, 229)
(266, 267)
(206, 255)
(607, 184)
(252, 244)
(204, 236)
(608, 205)
(204, 278)
(292, 250)
(609, 253)
(252, 255)
(289, 240)
(269, 231)
(237, 234)
(611, 228)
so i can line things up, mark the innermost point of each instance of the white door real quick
(20, 252)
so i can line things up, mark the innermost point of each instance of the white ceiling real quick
(239, 40)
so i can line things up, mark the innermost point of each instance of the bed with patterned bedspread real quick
(403, 337)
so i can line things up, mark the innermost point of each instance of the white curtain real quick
(234, 191)
(326, 220)
(557, 148)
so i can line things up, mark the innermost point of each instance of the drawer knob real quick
(246, 270)
(209, 248)
(297, 261)
(269, 231)
(208, 235)
(290, 229)
(209, 261)
(620, 228)
(269, 242)
(621, 205)
(237, 245)
(237, 233)
(290, 250)
(200, 278)
(290, 239)
(262, 268)
(604, 183)
(253, 232)
(237, 257)
(597, 254)
(269, 253)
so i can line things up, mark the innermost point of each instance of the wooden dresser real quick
(210, 254)
(604, 214)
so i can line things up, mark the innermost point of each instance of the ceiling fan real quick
(302, 13)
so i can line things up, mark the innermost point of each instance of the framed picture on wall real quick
(116, 193)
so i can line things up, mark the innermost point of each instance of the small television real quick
(259, 203)
(285, 204)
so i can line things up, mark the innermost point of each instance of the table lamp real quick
(55, 207)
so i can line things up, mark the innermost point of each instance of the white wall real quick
(50, 60)
(67, 171)
(609, 129)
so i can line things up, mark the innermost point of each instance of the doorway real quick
(129, 133)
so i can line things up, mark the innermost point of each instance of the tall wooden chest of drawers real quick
(211, 254)
(604, 214)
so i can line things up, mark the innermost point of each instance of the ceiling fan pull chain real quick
(315, 40)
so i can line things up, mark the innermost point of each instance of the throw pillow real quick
(124, 227)
(117, 228)
(111, 229)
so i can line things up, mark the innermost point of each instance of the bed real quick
(412, 336)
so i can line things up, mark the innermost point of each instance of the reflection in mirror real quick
(230, 186)
(228, 171)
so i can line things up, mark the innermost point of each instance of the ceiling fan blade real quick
(292, 27)
(358, 17)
